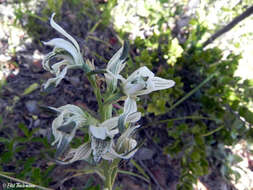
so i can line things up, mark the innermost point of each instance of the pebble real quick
(144, 154)
(31, 106)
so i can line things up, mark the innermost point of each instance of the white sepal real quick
(114, 67)
(83, 152)
(68, 114)
(125, 135)
(130, 105)
(106, 129)
(125, 147)
(63, 32)
(67, 46)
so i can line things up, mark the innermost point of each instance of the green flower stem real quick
(23, 182)
(110, 173)
(114, 175)
(108, 176)
(192, 91)
(107, 112)
(140, 169)
(115, 169)
(97, 93)
(110, 169)
(133, 174)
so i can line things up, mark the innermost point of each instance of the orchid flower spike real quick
(67, 51)
(65, 125)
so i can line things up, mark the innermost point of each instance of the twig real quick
(193, 117)
(151, 140)
(192, 91)
(212, 132)
(228, 27)
(150, 174)
(133, 174)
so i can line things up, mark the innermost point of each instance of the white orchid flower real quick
(67, 51)
(115, 66)
(143, 81)
(65, 125)
(125, 147)
(140, 82)
(83, 152)
(109, 127)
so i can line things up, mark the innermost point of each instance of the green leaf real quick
(4, 140)
(199, 140)
(6, 157)
(24, 129)
(195, 155)
(88, 184)
(237, 159)
(36, 176)
(133, 174)
(140, 169)
(27, 165)
(1, 120)
(113, 98)
(41, 140)
(246, 113)
(124, 53)
(30, 89)
(204, 164)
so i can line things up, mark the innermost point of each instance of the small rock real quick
(41, 132)
(75, 81)
(144, 154)
(32, 106)
(37, 123)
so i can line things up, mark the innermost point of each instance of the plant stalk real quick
(192, 91)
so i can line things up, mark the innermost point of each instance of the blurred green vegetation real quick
(210, 118)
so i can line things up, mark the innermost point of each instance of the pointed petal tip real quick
(52, 17)
(161, 83)
(172, 83)
(45, 43)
